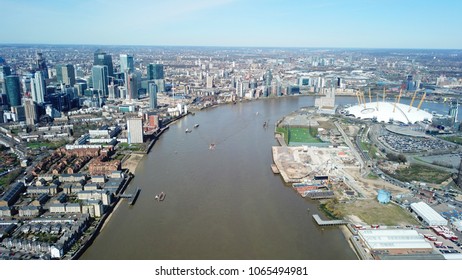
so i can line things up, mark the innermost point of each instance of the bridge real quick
(321, 222)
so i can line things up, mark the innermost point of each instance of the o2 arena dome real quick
(387, 112)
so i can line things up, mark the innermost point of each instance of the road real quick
(354, 150)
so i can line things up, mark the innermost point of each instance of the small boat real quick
(161, 196)
(196, 125)
(187, 130)
(212, 146)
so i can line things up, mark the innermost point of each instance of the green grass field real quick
(299, 134)
(453, 139)
(48, 145)
(418, 172)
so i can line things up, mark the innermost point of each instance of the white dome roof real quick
(386, 111)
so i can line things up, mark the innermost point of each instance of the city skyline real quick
(235, 23)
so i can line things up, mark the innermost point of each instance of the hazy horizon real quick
(354, 24)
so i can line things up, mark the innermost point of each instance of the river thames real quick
(223, 203)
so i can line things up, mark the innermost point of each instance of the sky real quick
(419, 24)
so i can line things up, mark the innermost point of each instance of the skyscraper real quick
(155, 71)
(268, 78)
(100, 79)
(132, 87)
(152, 91)
(31, 111)
(41, 65)
(268, 81)
(127, 63)
(38, 87)
(410, 85)
(13, 90)
(101, 58)
(68, 74)
(4, 71)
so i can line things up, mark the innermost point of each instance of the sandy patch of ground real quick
(132, 162)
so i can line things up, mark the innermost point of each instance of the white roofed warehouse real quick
(395, 241)
(428, 215)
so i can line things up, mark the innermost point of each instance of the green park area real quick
(299, 134)
(421, 173)
(371, 212)
(453, 139)
(46, 144)
(132, 147)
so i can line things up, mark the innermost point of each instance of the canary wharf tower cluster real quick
(39, 89)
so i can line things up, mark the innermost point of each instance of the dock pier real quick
(322, 222)
(131, 196)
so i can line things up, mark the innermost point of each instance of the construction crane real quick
(421, 101)
(412, 101)
(397, 99)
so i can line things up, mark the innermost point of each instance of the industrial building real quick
(395, 241)
(428, 215)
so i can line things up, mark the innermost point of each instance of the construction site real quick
(331, 169)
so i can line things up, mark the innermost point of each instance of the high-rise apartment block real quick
(135, 130)
(38, 88)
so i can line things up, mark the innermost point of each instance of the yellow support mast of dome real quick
(364, 100)
(357, 97)
(384, 93)
(421, 101)
(397, 100)
(412, 101)
(370, 99)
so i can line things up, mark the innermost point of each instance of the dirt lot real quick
(370, 187)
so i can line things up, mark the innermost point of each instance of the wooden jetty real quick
(322, 222)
